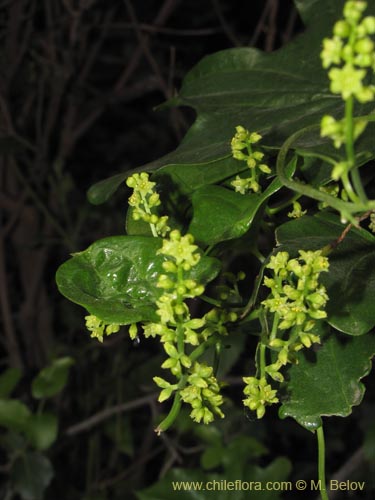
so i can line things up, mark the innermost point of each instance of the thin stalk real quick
(262, 359)
(350, 154)
(347, 209)
(172, 415)
(148, 211)
(322, 463)
(275, 324)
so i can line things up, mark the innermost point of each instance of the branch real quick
(108, 413)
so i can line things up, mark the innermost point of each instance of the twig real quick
(163, 14)
(334, 244)
(272, 27)
(260, 26)
(153, 29)
(109, 412)
(10, 334)
(226, 28)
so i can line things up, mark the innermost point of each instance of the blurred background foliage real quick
(79, 83)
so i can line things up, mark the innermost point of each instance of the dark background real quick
(79, 81)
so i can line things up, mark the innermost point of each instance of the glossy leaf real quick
(327, 382)
(13, 414)
(30, 475)
(274, 93)
(103, 190)
(41, 430)
(8, 381)
(350, 281)
(52, 379)
(115, 278)
(221, 214)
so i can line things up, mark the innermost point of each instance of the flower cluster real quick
(297, 299)
(99, 328)
(202, 392)
(144, 200)
(259, 394)
(243, 149)
(182, 255)
(196, 384)
(351, 51)
(296, 295)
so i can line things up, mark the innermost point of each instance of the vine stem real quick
(322, 463)
(172, 415)
(346, 209)
(262, 356)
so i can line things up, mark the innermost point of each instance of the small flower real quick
(260, 394)
(144, 199)
(203, 393)
(99, 328)
(242, 145)
(331, 53)
(181, 249)
(297, 211)
(347, 81)
(168, 388)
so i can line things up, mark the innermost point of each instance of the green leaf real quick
(115, 278)
(14, 415)
(350, 281)
(42, 430)
(52, 379)
(274, 93)
(327, 382)
(220, 214)
(8, 381)
(103, 190)
(30, 475)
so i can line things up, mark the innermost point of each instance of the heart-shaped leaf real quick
(327, 382)
(13, 414)
(52, 379)
(274, 93)
(116, 278)
(31, 474)
(220, 214)
(41, 430)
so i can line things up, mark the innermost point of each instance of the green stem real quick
(349, 147)
(356, 179)
(346, 209)
(258, 255)
(148, 211)
(210, 300)
(262, 360)
(275, 324)
(172, 415)
(348, 188)
(349, 131)
(321, 463)
(197, 353)
(275, 210)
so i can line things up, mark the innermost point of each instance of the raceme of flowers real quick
(144, 200)
(243, 149)
(297, 300)
(350, 53)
